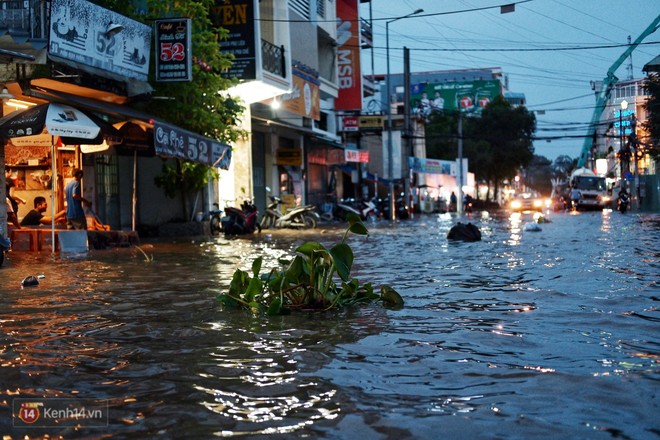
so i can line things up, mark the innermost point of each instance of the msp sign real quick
(348, 56)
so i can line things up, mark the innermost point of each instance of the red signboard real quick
(348, 56)
(351, 123)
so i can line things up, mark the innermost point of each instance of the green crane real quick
(605, 91)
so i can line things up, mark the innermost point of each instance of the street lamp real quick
(390, 147)
(622, 135)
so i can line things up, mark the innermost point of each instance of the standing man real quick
(75, 215)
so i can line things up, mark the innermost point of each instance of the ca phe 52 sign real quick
(173, 59)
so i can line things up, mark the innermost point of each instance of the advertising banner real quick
(173, 50)
(305, 98)
(431, 166)
(238, 16)
(468, 96)
(356, 155)
(173, 141)
(85, 33)
(348, 56)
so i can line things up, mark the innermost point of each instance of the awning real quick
(169, 140)
(10, 56)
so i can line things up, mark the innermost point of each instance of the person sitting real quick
(36, 217)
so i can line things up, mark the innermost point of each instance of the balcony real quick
(273, 58)
(23, 27)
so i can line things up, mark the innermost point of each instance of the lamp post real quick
(390, 147)
(624, 154)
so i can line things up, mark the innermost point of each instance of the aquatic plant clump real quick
(316, 279)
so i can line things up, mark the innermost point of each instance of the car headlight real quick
(538, 203)
(516, 204)
(605, 198)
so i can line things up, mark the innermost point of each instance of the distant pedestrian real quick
(452, 202)
(575, 197)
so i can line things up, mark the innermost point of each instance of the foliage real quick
(183, 176)
(497, 144)
(307, 282)
(538, 175)
(652, 107)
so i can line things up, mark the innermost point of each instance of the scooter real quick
(300, 217)
(5, 245)
(367, 210)
(240, 221)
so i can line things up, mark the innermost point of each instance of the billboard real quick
(348, 56)
(468, 96)
(238, 17)
(173, 49)
(82, 32)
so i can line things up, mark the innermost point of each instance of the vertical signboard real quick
(348, 56)
(173, 58)
(238, 17)
(86, 34)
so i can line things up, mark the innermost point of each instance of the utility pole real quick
(459, 180)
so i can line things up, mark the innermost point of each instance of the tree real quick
(507, 132)
(538, 174)
(652, 107)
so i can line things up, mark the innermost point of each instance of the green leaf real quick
(274, 308)
(391, 297)
(355, 225)
(353, 219)
(309, 247)
(227, 300)
(254, 289)
(342, 256)
(238, 283)
(295, 269)
(256, 266)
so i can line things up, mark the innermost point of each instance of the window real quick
(301, 7)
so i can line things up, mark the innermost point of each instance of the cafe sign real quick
(173, 141)
(173, 59)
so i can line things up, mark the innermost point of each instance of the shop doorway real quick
(107, 190)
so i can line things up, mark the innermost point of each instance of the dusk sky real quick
(550, 50)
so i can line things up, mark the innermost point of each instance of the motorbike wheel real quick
(2, 257)
(266, 222)
(310, 222)
(215, 225)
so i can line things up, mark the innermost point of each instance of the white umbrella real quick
(72, 125)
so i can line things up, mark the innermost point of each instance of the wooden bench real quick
(37, 237)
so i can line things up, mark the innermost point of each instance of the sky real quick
(574, 36)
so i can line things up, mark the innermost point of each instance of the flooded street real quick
(524, 335)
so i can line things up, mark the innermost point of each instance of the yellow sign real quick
(288, 156)
(371, 122)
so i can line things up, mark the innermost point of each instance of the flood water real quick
(524, 335)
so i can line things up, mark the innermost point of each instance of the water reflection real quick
(522, 335)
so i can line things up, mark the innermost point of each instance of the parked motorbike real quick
(300, 217)
(623, 202)
(5, 244)
(366, 209)
(243, 220)
(402, 212)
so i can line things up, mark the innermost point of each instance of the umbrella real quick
(72, 125)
